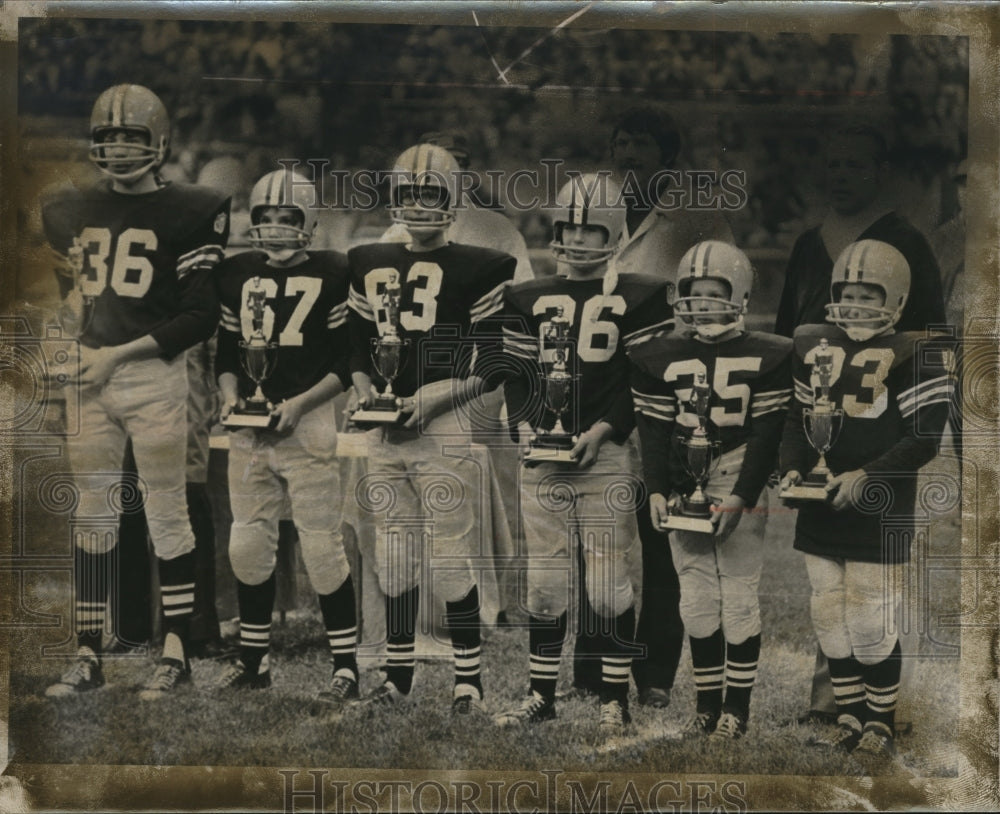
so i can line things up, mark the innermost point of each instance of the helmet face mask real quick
(588, 201)
(423, 192)
(713, 286)
(869, 288)
(129, 131)
(283, 220)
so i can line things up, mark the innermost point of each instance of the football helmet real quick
(134, 109)
(874, 263)
(588, 200)
(714, 260)
(429, 174)
(286, 190)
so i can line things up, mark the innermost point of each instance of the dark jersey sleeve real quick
(796, 453)
(926, 391)
(521, 368)
(361, 323)
(227, 358)
(770, 396)
(486, 320)
(337, 323)
(655, 408)
(198, 308)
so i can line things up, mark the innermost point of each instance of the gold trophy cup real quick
(822, 423)
(257, 356)
(557, 389)
(387, 358)
(694, 512)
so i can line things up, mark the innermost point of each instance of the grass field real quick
(197, 727)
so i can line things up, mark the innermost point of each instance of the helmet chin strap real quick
(713, 330)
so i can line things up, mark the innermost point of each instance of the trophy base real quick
(373, 418)
(685, 522)
(805, 491)
(550, 449)
(257, 421)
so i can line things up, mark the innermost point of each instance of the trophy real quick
(694, 512)
(387, 357)
(257, 356)
(822, 423)
(557, 384)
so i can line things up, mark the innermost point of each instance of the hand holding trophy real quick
(822, 423)
(74, 315)
(257, 356)
(694, 512)
(557, 390)
(387, 358)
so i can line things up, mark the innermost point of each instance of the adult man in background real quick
(858, 171)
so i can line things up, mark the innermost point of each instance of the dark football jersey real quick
(894, 392)
(449, 299)
(146, 260)
(749, 386)
(599, 331)
(303, 312)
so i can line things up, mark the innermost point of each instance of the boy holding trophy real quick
(283, 352)
(422, 317)
(711, 400)
(565, 338)
(888, 395)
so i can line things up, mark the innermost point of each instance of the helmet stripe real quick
(269, 196)
(572, 204)
(116, 113)
(704, 260)
(585, 206)
(861, 261)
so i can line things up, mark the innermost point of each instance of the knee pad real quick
(548, 593)
(700, 614)
(450, 585)
(324, 558)
(870, 637)
(611, 598)
(251, 553)
(826, 608)
(740, 611)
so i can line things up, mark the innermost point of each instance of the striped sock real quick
(616, 658)
(91, 582)
(848, 691)
(882, 690)
(546, 636)
(708, 655)
(463, 623)
(256, 606)
(177, 596)
(401, 630)
(741, 672)
(340, 620)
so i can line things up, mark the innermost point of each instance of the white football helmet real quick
(286, 190)
(134, 109)
(715, 260)
(430, 174)
(874, 263)
(588, 200)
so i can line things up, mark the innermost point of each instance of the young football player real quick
(297, 299)
(894, 394)
(135, 261)
(589, 500)
(448, 296)
(744, 379)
